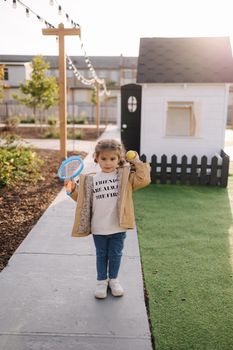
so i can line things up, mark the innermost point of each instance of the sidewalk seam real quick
(92, 335)
(75, 254)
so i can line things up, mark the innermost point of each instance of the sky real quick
(110, 28)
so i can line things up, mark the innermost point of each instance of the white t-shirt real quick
(104, 211)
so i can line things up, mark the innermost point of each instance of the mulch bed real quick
(39, 132)
(22, 206)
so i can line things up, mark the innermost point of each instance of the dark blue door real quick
(131, 116)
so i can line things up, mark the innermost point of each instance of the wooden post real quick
(97, 108)
(60, 32)
(225, 169)
(106, 110)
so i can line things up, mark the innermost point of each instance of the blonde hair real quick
(110, 145)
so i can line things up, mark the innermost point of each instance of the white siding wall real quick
(211, 102)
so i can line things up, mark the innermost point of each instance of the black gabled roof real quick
(185, 60)
(98, 62)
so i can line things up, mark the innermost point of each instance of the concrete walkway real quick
(46, 290)
(228, 148)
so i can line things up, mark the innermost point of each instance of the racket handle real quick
(69, 187)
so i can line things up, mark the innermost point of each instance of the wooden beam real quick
(50, 31)
(61, 32)
(63, 96)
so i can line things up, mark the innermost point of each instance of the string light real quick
(40, 19)
(78, 74)
(60, 11)
(29, 10)
(80, 77)
(87, 60)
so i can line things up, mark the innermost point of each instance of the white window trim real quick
(193, 125)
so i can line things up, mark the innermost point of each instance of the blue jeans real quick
(108, 254)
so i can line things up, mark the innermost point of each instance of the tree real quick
(110, 84)
(2, 66)
(41, 91)
(94, 97)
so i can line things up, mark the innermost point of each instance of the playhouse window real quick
(180, 119)
(132, 104)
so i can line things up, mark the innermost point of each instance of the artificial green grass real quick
(184, 237)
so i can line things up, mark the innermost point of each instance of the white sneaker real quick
(116, 288)
(101, 289)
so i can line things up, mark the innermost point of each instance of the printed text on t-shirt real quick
(106, 188)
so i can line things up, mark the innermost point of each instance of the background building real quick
(116, 70)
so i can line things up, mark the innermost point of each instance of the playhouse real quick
(182, 97)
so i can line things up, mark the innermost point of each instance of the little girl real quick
(105, 209)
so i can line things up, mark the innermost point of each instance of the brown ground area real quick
(39, 132)
(22, 206)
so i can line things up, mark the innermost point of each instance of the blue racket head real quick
(70, 168)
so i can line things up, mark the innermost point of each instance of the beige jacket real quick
(129, 180)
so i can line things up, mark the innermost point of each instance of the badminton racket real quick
(69, 169)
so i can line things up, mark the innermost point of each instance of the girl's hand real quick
(135, 159)
(66, 181)
(69, 185)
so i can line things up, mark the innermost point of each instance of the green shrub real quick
(13, 121)
(11, 140)
(18, 163)
(52, 121)
(77, 120)
(79, 134)
(30, 120)
(52, 134)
